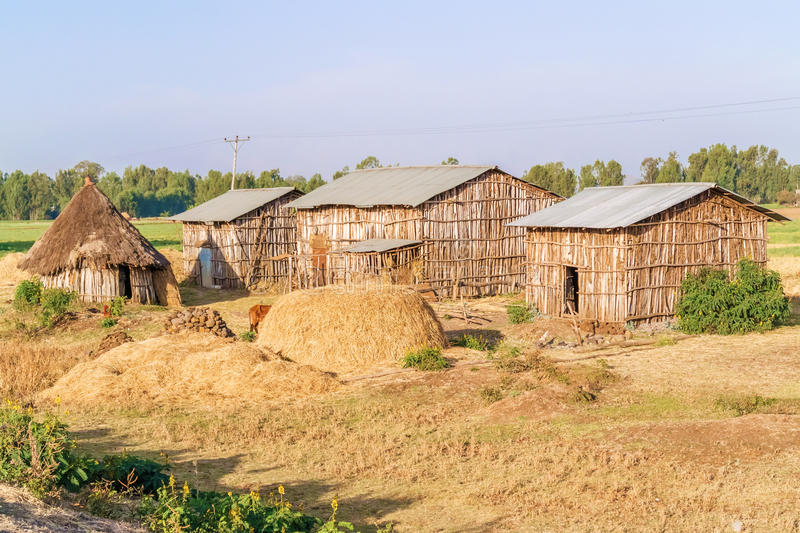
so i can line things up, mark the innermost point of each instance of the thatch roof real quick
(90, 233)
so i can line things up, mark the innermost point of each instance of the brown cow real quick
(258, 312)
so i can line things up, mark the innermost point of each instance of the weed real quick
(117, 306)
(27, 294)
(520, 313)
(665, 340)
(126, 472)
(743, 405)
(491, 394)
(582, 395)
(630, 326)
(247, 336)
(479, 342)
(108, 322)
(54, 303)
(447, 317)
(425, 358)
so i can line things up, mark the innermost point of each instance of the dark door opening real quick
(125, 281)
(571, 289)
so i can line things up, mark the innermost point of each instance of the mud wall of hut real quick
(252, 250)
(599, 257)
(709, 230)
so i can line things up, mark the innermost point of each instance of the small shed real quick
(617, 254)
(460, 213)
(93, 250)
(386, 260)
(241, 239)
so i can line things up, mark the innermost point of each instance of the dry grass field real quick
(685, 434)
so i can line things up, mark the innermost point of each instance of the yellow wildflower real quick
(280, 490)
(185, 488)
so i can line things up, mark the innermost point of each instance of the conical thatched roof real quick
(90, 233)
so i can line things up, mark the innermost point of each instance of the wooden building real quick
(620, 254)
(240, 239)
(93, 250)
(459, 213)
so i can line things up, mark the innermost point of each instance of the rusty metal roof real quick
(618, 207)
(232, 204)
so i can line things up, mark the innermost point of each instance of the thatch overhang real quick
(90, 233)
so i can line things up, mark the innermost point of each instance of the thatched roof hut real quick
(612, 255)
(93, 250)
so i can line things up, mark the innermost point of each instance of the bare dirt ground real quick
(670, 441)
(21, 512)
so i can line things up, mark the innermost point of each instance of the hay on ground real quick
(345, 330)
(175, 259)
(10, 275)
(190, 369)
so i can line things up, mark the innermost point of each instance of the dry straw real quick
(190, 369)
(345, 330)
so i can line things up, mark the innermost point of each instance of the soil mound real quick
(185, 369)
(343, 329)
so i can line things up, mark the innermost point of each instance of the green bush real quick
(425, 358)
(183, 509)
(108, 322)
(55, 303)
(117, 306)
(39, 455)
(479, 343)
(27, 294)
(713, 303)
(126, 472)
(520, 313)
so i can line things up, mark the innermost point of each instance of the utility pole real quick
(235, 143)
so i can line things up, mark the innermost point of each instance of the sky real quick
(321, 85)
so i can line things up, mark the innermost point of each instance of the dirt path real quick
(19, 511)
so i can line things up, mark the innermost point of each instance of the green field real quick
(19, 235)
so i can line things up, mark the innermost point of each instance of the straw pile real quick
(10, 275)
(342, 330)
(189, 369)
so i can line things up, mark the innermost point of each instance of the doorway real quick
(125, 282)
(571, 289)
(204, 258)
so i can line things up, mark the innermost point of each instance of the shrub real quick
(713, 303)
(27, 294)
(248, 336)
(55, 303)
(39, 455)
(490, 394)
(743, 405)
(108, 322)
(127, 472)
(117, 306)
(479, 343)
(425, 358)
(520, 313)
(189, 510)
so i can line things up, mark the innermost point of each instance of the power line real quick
(235, 145)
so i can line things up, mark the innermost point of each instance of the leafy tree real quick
(339, 173)
(369, 162)
(40, 190)
(553, 177)
(650, 168)
(587, 178)
(671, 170)
(271, 178)
(314, 182)
(66, 184)
(450, 161)
(16, 195)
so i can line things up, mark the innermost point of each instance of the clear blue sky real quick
(124, 83)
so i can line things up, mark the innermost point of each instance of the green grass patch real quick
(473, 342)
(784, 232)
(426, 359)
(786, 251)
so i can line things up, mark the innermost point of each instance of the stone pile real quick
(197, 319)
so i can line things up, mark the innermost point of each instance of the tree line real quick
(758, 173)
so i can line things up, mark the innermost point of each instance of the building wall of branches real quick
(469, 250)
(709, 230)
(635, 273)
(103, 284)
(248, 252)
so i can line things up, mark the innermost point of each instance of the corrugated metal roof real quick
(390, 186)
(378, 245)
(618, 207)
(232, 204)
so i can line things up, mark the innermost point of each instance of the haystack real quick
(345, 330)
(10, 274)
(91, 249)
(190, 369)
